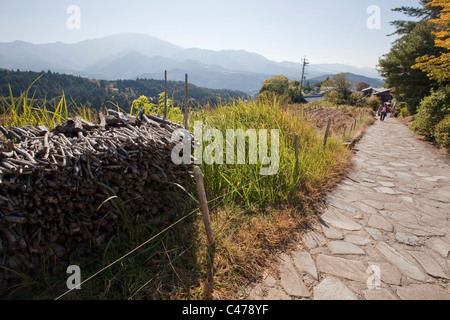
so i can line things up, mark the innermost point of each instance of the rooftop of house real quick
(377, 90)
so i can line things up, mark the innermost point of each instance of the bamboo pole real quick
(327, 132)
(186, 100)
(165, 94)
(296, 140)
(204, 205)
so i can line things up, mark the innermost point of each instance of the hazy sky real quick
(327, 31)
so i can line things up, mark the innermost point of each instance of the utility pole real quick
(305, 63)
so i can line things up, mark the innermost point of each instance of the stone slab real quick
(403, 216)
(290, 280)
(404, 176)
(388, 273)
(343, 248)
(361, 241)
(304, 263)
(340, 205)
(380, 223)
(313, 239)
(409, 239)
(404, 265)
(438, 245)
(332, 233)
(379, 294)
(343, 268)
(336, 194)
(333, 289)
(385, 190)
(270, 281)
(340, 221)
(422, 292)
(429, 264)
(377, 235)
(365, 208)
(388, 174)
(347, 188)
(375, 204)
(275, 294)
(422, 230)
(387, 184)
(407, 199)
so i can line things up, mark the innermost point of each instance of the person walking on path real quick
(383, 112)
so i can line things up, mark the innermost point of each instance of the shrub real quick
(356, 99)
(373, 102)
(404, 111)
(333, 97)
(173, 113)
(289, 91)
(432, 110)
(442, 132)
(277, 84)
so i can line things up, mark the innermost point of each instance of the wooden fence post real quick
(296, 140)
(165, 94)
(204, 205)
(345, 129)
(327, 132)
(186, 106)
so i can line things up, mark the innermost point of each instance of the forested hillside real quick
(97, 93)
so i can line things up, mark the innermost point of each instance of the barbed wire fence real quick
(129, 253)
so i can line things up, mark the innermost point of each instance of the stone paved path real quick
(385, 232)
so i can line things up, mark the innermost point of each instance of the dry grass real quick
(249, 240)
(250, 231)
(245, 253)
(249, 243)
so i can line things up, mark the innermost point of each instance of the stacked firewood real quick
(55, 185)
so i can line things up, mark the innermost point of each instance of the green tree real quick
(361, 86)
(340, 94)
(411, 85)
(423, 13)
(173, 113)
(281, 86)
(438, 67)
(433, 109)
(277, 84)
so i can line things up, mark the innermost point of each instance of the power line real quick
(305, 63)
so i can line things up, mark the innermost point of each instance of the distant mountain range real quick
(355, 78)
(131, 56)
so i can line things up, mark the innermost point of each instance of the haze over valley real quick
(135, 55)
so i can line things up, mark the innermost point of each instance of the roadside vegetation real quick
(418, 68)
(253, 216)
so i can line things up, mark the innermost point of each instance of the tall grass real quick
(25, 110)
(252, 215)
(245, 182)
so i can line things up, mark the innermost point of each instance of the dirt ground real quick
(341, 117)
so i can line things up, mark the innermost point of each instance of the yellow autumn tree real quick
(438, 68)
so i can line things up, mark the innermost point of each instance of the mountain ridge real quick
(133, 55)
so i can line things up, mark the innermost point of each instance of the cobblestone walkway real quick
(385, 232)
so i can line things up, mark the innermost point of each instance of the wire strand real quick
(155, 236)
(129, 253)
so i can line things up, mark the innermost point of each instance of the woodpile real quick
(53, 185)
